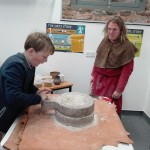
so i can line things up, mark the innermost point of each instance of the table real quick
(42, 119)
(63, 85)
(53, 87)
(120, 146)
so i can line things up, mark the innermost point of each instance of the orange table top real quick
(64, 84)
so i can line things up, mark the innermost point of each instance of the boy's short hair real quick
(38, 41)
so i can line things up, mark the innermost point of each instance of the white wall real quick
(19, 18)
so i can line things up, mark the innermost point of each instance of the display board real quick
(66, 38)
(135, 36)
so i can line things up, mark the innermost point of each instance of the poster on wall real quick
(135, 36)
(66, 38)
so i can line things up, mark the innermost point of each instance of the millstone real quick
(73, 109)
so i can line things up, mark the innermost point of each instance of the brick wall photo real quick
(99, 15)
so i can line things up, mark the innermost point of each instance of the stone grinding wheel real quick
(72, 109)
(75, 109)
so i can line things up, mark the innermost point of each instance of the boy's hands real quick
(43, 93)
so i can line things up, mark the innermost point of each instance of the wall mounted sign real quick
(66, 38)
(135, 36)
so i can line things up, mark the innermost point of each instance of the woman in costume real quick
(113, 63)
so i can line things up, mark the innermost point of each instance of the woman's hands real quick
(116, 95)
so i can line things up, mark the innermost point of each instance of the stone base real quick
(74, 122)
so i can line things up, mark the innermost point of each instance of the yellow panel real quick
(77, 42)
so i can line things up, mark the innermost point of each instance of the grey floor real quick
(139, 128)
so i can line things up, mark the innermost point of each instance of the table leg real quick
(70, 88)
